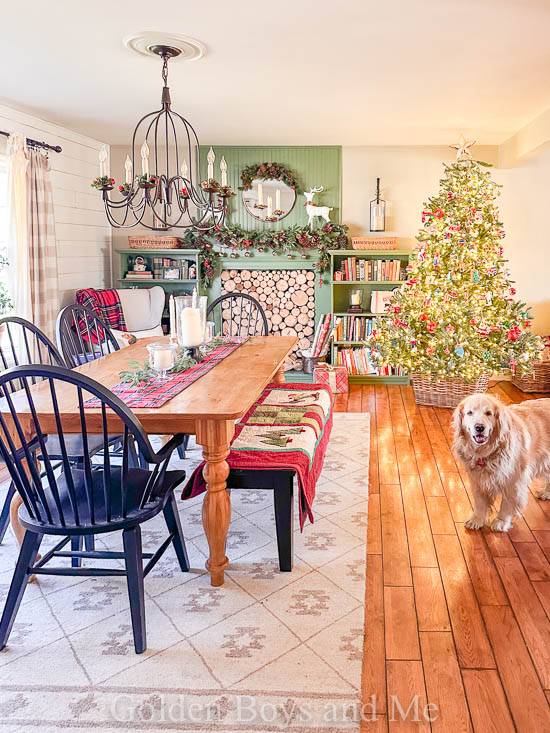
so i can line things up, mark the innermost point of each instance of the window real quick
(4, 271)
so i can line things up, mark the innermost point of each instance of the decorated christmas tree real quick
(456, 316)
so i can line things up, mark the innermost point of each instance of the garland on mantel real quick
(289, 241)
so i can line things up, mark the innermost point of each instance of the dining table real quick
(207, 408)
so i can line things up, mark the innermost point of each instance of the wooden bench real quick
(284, 435)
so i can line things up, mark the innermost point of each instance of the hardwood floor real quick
(461, 619)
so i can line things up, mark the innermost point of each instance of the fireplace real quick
(287, 297)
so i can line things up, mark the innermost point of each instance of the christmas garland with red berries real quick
(290, 242)
(268, 171)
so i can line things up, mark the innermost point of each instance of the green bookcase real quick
(171, 287)
(340, 301)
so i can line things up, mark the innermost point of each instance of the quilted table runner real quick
(155, 392)
(287, 428)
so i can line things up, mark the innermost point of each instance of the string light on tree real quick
(457, 305)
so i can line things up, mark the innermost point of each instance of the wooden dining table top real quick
(225, 392)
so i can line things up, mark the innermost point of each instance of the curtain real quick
(42, 251)
(18, 251)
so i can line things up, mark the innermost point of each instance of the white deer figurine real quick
(313, 210)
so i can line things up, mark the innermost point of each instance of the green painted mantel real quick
(313, 165)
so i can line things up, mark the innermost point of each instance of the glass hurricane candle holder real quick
(162, 357)
(355, 301)
(191, 321)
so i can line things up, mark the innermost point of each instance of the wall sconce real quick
(378, 211)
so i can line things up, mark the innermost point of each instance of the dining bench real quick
(283, 436)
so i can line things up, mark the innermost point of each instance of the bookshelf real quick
(171, 287)
(340, 302)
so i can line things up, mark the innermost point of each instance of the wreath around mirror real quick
(269, 191)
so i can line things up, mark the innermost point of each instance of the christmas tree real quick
(455, 316)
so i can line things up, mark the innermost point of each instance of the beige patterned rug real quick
(268, 651)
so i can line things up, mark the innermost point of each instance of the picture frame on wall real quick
(171, 273)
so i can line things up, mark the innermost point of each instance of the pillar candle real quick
(269, 206)
(190, 327)
(172, 311)
(260, 194)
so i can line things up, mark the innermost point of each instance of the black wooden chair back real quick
(238, 314)
(79, 497)
(82, 336)
(24, 343)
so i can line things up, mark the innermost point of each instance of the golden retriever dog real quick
(503, 447)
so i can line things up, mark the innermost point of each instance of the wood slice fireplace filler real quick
(287, 297)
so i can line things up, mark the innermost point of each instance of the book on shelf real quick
(358, 362)
(142, 275)
(365, 270)
(380, 300)
(354, 328)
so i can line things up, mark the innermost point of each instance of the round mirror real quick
(269, 200)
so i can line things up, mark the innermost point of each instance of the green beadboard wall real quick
(313, 166)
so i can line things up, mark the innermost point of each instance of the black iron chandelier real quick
(165, 194)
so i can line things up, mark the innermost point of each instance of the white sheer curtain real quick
(18, 247)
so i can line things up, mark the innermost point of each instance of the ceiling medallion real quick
(160, 189)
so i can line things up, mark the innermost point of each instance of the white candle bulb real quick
(260, 194)
(269, 206)
(103, 161)
(210, 158)
(194, 301)
(145, 159)
(223, 168)
(128, 168)
(184, 169)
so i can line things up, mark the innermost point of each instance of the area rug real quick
(267, 651)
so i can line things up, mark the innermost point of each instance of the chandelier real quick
(162, 192)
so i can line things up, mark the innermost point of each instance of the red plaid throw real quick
(287, 428)
(106, 305)
(156, 392)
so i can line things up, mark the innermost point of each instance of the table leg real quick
(215, 438)
(279, 376)
(18, 530)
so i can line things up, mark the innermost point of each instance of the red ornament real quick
(423, 317)
(430, 350)
(431, 326)
(512, 291)
(396, 308)
(439, 213)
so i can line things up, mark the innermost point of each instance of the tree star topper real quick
(463, 149)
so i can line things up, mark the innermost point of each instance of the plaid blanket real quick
(106, 305)
(288, 428)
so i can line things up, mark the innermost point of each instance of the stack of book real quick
(139, 275)
(353, 269)
(323, 335)
(358, 361)
(353, 328)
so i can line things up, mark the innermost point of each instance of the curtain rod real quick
(37, 144)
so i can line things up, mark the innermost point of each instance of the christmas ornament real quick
(459, 351)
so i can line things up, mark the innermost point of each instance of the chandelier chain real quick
(164, 72)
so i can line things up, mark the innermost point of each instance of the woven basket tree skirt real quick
(445, 392)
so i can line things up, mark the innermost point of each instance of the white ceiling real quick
(353, 72)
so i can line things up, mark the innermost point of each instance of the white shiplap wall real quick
(83, 235)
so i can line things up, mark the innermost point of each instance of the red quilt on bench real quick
(287, 428)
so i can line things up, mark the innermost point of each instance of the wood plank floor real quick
(460, 619)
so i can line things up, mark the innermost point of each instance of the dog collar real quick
(481, 463)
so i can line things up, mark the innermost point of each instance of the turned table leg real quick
(279, 376)
(18, 530)
(215, 438)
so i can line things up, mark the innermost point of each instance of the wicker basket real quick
(374, 242)
(445, 392)
(153, 242)
(536, 381)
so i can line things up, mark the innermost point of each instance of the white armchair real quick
(142, 308)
